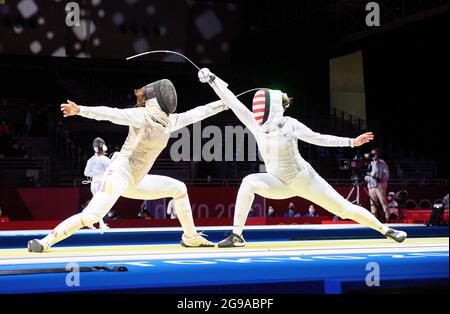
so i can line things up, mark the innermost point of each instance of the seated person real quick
(144, 214)
(445, 201)
(271, 212)
(112, 215)
(311, 211)
(291, 213)
(252, 213)
(171, 210)
(392, 206)
(3, 217)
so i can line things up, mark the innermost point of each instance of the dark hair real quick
(100, 150)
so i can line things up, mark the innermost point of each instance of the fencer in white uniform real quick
(150, 126)
(95, 169)
(288, 174)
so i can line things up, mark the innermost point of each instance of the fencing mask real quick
(165, 94)
(99, 145)
(267, 105)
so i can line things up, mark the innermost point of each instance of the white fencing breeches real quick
(118, 182)
(309, 185)
(95, 186)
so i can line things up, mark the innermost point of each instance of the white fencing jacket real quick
(278, 137)
(96, 166)
(146, 137)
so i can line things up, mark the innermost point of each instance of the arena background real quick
(346, 78)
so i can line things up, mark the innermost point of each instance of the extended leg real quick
(156, 187)
(263, 184)
(95, 187)
(312, 187)
(113, 185)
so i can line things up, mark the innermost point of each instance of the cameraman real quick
(377, 178)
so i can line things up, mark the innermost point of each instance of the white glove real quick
(205, 75)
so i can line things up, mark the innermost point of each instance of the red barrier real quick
(143, 223)
(207, 202)
(421, 216)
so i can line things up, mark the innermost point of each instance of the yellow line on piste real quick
(175, 248)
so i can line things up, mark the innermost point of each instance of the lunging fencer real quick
(288, 174)
(95, 169)
(150, 125)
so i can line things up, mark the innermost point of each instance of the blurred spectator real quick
(271, 212)
(291, 205)
(377, 178)
(445, 201)
(291, 211)
(171, 210)
(17, 151)
(4, 128)
(146, 205)
(401, 197)
(29, 119)
(392, 206)
(252, 213)
(311, 211)
(3, 217)
(31, 181)
(144, 213)
(112, 215)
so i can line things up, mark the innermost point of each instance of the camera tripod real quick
(356, 186)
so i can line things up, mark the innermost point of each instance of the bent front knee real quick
(179, 190)
(247, 184)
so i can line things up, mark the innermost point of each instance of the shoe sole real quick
(201, 245)
(399, 240)
(35, 247)
(231, 245)
(402, 239)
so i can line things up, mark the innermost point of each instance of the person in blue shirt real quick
(252, 213)
(291, 211)
(311, 212)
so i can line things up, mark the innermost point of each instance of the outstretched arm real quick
(129, 117)
(180, 120)
(221, 89)
(303, 133)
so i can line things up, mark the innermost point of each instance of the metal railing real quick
(357, 124)
(226, 182)
(14, 170)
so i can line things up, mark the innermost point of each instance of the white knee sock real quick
(184, 214)
(63, 230)
(243, 205)
(364, 217)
